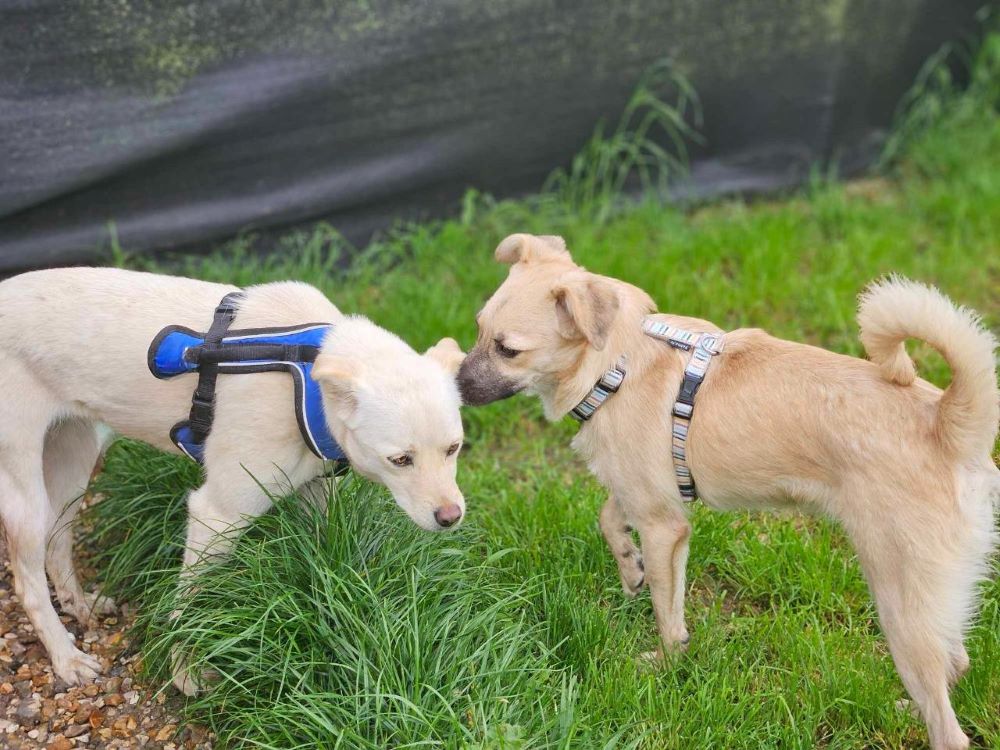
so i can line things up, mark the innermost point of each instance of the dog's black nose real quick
(448, 515)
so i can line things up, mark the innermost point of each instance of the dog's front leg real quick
(665, 552)
(216, 514)
(618, 534)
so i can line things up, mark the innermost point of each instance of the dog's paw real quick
(92, 607)
(76, 667)
(670, 649)
(649, 661)
(86, 611)
(101, 605)
(678, 643)
(188, 682)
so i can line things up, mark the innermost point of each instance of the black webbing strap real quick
(244, 352)
(203, 401)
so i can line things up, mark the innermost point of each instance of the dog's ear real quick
(586, 307)
(448, 354)
(341, 375)
(523, 248)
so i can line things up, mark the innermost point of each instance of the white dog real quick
(73, 354)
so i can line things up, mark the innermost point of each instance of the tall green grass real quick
(937, 104)
(648, 146)
(342, 626)
(352, 629)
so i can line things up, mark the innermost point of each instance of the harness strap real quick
(203, 401)
(245, 352)
(703, 347)
(177, 350)
(609, 383)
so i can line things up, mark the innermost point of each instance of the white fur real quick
(73, 346)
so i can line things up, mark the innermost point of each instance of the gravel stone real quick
(38, 711)
(76, 730)
(28, 713)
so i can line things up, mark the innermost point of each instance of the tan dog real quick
(904, 467)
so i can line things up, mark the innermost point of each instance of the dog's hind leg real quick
(28, 517)
(618, 534)
(72, 449)
(915, 587)
(978, 491)
(29, 521)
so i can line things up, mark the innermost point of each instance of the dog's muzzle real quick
(480, 383)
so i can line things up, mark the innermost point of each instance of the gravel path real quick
(118, 711)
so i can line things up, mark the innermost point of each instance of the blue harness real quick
(177, 350)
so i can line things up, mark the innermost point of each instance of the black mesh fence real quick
(184, 123)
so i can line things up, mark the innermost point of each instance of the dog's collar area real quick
(177, 350)
(703, 347)
(609, 383)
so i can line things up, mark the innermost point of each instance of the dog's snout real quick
(470, 392)
(467, 379)
(448, 515)
(479, 382)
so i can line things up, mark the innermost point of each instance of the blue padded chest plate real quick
(177, 350)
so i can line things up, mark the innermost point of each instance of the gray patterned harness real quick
(703, 346)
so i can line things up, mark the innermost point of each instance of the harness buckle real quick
(689, 386)
(683, 410)
(711, 342)
(227, 306)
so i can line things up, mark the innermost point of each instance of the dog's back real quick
(775, 407)
(79, 336)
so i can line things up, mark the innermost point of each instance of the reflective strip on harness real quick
(703, 347)
(177, 350)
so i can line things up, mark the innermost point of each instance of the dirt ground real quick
(120, 710)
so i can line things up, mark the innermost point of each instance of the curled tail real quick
(896, 309)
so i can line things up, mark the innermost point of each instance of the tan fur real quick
(904, 467)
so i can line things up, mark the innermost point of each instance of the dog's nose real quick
(448, 515)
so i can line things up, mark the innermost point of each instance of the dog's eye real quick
(404, 459)
(453, 448)
(505, 351)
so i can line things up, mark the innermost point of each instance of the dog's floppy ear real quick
(448, 354)
(342, 375)
(523, 248)
(585, 307)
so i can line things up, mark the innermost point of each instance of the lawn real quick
(353, 629)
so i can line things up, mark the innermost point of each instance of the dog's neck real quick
(625, 339)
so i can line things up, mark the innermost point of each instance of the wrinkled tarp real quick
(184, 123)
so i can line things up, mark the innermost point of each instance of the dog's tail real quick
(896, 309)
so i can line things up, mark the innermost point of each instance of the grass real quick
(355, 630)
